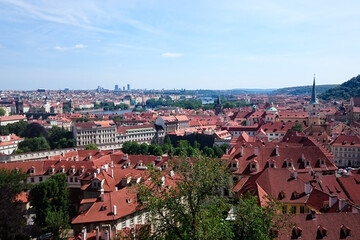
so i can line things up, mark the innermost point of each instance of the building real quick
(5, 120)
(136, 133)
(314, 107)
(96, 132)
(173, 123)
(9, 144)
(219, 109)
(346, 150)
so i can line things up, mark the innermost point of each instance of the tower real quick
(218, 106)
(314, 107)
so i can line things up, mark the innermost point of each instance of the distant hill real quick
(303, 90)
(346, 90)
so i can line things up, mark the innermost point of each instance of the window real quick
(139, 219)
(40, 179)
(32, 180)
(293, 209)
(123, 224)
(302, 209)
(284, 209)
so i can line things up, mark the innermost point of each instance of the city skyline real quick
(163, 44)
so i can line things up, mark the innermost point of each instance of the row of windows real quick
(347, 149)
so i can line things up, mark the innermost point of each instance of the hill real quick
(346, 90)
(302, 90)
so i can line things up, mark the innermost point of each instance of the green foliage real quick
(117, 118)
(192, 209)
(188, 104)
(209, 152)
(2, 112)
(109, 106)
(144, 149)
(17, 128)
(346, 90)
(302, 90)
(12, 222)
(60, 138)
(82, 119)
(255, 222)
(33, 144)
(218, 152)
(224, 147)
(155, 150)
(51, 201)
(34, 130)
(91, 146)
(297, 127)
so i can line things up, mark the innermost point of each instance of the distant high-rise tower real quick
(99, 89)
(218, 106)
(128, 87)
(116, 87)
(124, 88)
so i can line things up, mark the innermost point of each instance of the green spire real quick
(313, 94)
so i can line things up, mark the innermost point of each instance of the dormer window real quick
(62, 169)
(296, 233)
(281, 195)
(32, 170)
(296, 194)
(344, 232)
(72, 170)
(321, 232)
(52, 170)
(81, 171)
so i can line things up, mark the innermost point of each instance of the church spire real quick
(313, 94)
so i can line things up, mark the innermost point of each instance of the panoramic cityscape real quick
(179, 120)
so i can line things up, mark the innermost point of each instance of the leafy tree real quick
(224, 147)
(91, 146)
(192, 208)
(218, 152)
(4, 130)
(60, 138)
(33, 144)
(144, 149)
(243, 123)
(209, 152)
(12, 221)
(134, 148)
(17, 128)
(297, 127)
(126, 147)
(2, 112)
(51, 201)
(83, 119)
(167, 140)
(34, 130)
(196, 144)
(255, 222)
(155, 150)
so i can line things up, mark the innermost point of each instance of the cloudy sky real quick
(190, 44)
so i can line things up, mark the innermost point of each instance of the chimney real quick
(125, 157)
(332, 200)
(97, 233)
(277, 150)
(295, 174)
(94, 174)
(307, 188)
(112, 173)
(158, 159)
(342, 204)
(162, 181)
(84, 233)
(256, 151)
(114, 210)
(171, 173)
(102, 194)
(98, 170)
(242, 151)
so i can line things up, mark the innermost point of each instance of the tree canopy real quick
(2, 112)
(12, 221)
(91, 146)
(51, 201)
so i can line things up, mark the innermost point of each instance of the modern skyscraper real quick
(116, 87)
(128, 87)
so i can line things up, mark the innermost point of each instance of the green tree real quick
(34, 130)
(155, 150)
(2, 112)
(255, 222)
(218, 152)
(297, 127)
(33, 144)
(17, 128)
(12, 221)
(144, 149)
(196, 144)
(224, 147)
(51, 202)
(126, 147)
(91, 146)
(60, 138)
(209, 152)
(192, 207)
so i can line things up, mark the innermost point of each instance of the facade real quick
(96, 132)
(346, 150)
(9, 144)
(5, 120)
(138, 133)
(173, 123)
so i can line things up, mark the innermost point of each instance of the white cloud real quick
(77, 46)
(171, 55)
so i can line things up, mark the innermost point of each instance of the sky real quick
(191, 44)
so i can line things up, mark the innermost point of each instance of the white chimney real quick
(102, 194)
(342, 204)
(97, 170)
(112, 173)
(97, 233)
(295, 174)
(162, 181)
(94, 174)
(114, 210)
(116, 189)
(171, 173)
(277, 150)
(242, 151)
(84, 233)
(332, 200)
(256, 151)
(307, 188)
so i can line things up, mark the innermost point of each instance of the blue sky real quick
(177, 44)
